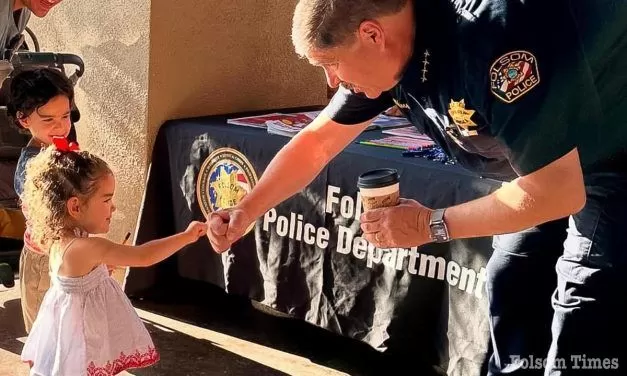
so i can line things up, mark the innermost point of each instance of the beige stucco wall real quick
(146, 63)
(214, 56)
(112, 38)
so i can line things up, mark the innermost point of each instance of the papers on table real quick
(289, 124)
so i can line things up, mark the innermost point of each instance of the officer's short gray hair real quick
(324, 24)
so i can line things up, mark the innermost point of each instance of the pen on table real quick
(111, 268)
(128, 235)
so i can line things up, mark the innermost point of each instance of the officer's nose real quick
(332, 79)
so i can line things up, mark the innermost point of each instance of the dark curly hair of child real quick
(31, 89)
(52, 178)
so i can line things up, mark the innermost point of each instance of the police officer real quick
(529, 92)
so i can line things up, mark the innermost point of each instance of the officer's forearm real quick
(552, 192)
(298, 163)
(292, 169)
(513, 207)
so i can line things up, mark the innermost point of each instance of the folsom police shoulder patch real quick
(513, 75)
(225, 177)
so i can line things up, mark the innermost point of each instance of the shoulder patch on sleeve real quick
(513, 75)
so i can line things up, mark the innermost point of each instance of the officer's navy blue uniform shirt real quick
(511, 86)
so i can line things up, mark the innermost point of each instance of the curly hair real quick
(31, 89)
(52, 178)
(323, 24)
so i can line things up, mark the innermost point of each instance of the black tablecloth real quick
(429, 301)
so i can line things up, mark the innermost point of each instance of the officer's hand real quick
(397, 226)
(226, 227)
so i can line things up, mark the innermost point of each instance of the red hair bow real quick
(62, 143)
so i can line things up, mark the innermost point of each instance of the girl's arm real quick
(110, 253)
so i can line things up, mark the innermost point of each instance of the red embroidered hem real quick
(124, 362)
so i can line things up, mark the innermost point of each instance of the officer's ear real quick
(371, 33)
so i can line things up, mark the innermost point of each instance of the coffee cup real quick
(379, 188)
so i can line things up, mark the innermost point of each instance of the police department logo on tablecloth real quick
(225, 177)
(513, 75)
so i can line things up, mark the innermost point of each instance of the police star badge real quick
(462, 118)
(513, 75)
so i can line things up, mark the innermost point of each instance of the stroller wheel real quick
(6, 275)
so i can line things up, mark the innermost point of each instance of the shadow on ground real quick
(185, 355)
(209, 307)
(11, 326)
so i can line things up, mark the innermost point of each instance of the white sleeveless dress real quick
(87, 326)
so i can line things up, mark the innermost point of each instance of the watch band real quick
(437, 226)
(437, 216)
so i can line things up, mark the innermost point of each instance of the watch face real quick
(439, 232)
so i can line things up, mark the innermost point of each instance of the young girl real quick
(39, 101)
(86, 324)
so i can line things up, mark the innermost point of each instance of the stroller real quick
(12, 223)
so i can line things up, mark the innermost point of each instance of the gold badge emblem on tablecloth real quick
(225, 177)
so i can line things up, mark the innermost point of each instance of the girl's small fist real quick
(196, 230)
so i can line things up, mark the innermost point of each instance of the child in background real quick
(39, 101)
(86, 324)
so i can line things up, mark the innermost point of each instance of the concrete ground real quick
(222, 335)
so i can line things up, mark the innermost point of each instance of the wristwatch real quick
(437, 227)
